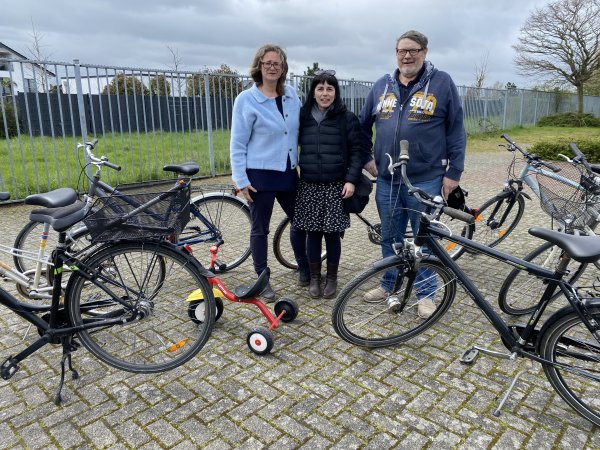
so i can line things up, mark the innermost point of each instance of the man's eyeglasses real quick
(274, 65)
(411, 51)
(325, 72)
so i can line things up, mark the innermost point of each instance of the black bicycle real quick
(217, 215)
(567, 344)
(284, 254)
(127, 300)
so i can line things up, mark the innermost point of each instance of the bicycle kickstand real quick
(69, 346)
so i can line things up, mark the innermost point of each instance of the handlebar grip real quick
(404, 149)
(112, 166)
(573, 147)
(507, 137)
(552, 167)
(459, 215)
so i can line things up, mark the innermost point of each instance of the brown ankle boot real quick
(330, 281)
(314, 287)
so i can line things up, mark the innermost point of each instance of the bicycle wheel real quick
(490, 229)
(29, 238)
(283, 248)
(214, 217)
(574, 355)
(521, 291)
(140, 291)
(376, 324)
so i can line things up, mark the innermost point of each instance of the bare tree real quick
(561, 42)
(178, 81)
(481, 70)
(38, 53)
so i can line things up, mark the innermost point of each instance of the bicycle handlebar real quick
(102, 161)
(419, 194)
(530, 156)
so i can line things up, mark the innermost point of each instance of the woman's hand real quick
(246, 193)
(348, 190)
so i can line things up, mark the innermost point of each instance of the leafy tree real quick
(562, 42)
(310, 71)
(222, 81)
(125, 84)
(510, 86)
(160, 86)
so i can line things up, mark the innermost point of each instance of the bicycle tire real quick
(565, 340)
(491, 234)
(230, 220)
(372, 324)
(29, 239)
(520, 291)
(282, 248)
(459, 228)
(151, 329)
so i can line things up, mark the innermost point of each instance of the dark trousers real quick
(261, 210)
(333, 244)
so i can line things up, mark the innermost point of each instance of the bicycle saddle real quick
(585, 249)
(253, 290)
(60, 218)
(53, 199)
(184, 169)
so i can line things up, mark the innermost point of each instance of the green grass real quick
(528, 136)
(29, 163)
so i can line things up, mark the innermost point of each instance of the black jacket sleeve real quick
(356, 147)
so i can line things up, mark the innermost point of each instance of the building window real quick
(30, 85)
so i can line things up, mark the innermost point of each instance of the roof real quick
(17, 54)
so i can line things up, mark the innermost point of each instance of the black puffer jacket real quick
(323, 158)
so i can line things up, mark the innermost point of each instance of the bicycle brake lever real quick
(391, 166)
(566, 158)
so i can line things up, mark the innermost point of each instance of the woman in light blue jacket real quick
(264, 154)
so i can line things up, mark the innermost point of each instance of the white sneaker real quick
(376, 295)
(426, 308)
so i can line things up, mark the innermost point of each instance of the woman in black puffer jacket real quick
(331, 154)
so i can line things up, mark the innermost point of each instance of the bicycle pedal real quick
(9, 368)
(469, 356)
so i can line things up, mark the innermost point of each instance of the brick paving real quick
(314, 390)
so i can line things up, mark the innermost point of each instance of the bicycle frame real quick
(429, 236)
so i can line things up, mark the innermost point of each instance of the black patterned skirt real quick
(319, 207)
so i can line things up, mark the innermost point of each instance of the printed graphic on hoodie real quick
(386, 106)
(421, 111)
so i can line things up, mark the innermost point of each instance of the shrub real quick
(11, 121)
(550, 150)
(569, 119)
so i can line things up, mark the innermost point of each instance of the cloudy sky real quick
(356, 38)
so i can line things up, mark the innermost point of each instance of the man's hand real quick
(448, 186)
(246, 193)
(371, 168)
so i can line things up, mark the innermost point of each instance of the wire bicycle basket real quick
(570, 199)
(148, 215)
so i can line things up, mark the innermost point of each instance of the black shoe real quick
(303, 276)
(268, 295)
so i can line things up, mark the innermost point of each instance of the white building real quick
(22, 77)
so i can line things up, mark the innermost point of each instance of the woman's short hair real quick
(255, 68)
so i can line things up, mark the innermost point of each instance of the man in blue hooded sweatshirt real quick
(420, 104)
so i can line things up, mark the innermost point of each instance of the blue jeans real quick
(396, 208)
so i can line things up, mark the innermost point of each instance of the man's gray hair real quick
(413, 35)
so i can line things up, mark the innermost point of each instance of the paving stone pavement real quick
(314, 390)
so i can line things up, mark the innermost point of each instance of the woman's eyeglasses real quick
(325, 72)
(274, 65)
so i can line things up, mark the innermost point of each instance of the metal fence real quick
(146, 118)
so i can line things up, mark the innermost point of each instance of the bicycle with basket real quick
(125, 301)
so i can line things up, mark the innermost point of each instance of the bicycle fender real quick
(219, 195)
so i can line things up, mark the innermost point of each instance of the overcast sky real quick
(356, 38)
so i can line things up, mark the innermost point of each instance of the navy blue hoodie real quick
(434, 127)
